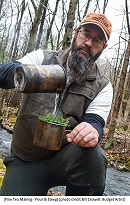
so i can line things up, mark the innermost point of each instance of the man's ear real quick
(105, 46)
(75, 31)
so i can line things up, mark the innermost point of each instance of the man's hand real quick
(84, 135)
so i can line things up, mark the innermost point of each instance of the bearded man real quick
(80, 164)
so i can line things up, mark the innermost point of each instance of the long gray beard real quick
(79, 67)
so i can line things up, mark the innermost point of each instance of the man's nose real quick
(89, 42)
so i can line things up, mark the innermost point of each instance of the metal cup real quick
(49, 135)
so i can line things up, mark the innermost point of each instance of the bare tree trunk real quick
(127, 16)
(69, 24)
(51, 24)
(61, 28)
(105, 5)
(126, 98)
(15, 50)
(41, 25)
(118, 99)
(87, 7)
(35, 24)
(4, 39)
(120, 92)
(118, 61)
(97, 6)
(14, 36)
(1, 4)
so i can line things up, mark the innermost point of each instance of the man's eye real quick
(87, 35)
(97, 40)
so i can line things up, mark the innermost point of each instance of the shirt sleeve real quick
(101, 105)
(35, 57)
(7, 69)
(96, 121)
(7, 74)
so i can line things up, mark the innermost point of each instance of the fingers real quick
(84, 135)
(89, 141)
(77, 132)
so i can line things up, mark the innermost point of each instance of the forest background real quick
(27, 25)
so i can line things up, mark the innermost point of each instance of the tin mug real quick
(49, 135)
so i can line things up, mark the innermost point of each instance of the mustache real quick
(85, 48)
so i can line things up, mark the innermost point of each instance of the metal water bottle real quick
(39, 78)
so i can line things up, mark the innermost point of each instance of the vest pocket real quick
(23, 132)
(38, 103)
(78, 100)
